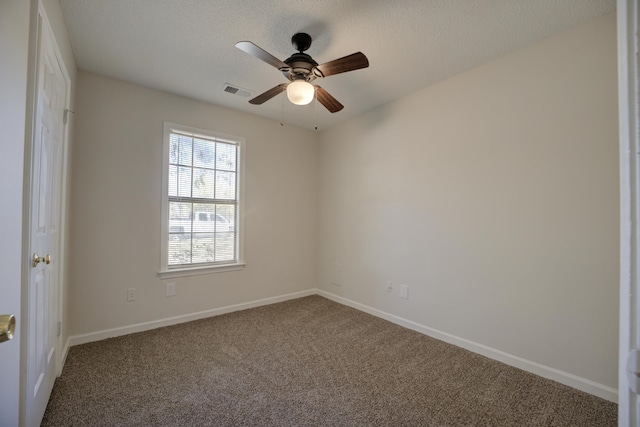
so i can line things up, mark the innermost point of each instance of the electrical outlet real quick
(404, 291)
(389, 286)
(131, 294)
(171, 289)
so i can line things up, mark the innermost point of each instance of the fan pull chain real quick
(282, 117)
(316, 96)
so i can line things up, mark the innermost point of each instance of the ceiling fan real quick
(300, 69)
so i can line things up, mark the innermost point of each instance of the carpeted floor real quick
(304, 362)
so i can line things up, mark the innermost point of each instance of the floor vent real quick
(229, 88)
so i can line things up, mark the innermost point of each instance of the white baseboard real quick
(146, 326)
(562, 377)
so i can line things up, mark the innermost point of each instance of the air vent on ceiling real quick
(229, 88)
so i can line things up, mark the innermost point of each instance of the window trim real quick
(181, 271)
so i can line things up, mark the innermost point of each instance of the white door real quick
(46, 172)
(629, 353)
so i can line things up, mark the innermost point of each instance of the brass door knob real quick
(35, 260)
(7, 327)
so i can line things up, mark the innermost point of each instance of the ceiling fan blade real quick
(268, 94)
(261, 54)
(327, 100)
(355, 61)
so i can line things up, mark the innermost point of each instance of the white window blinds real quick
(202, 197)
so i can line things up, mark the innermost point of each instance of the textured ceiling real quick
(187, 47)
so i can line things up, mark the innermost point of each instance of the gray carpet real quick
(308, 361)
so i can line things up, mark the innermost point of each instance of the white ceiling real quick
(187, 47)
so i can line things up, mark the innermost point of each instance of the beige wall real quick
(494, 196)
(116, 204)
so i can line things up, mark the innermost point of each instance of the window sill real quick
(194, 271)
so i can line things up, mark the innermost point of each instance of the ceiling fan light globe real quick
(300, 92)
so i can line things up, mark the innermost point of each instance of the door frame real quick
(39, 24)
(15, 43)
(629, 140)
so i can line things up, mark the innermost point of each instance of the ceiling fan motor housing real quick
(301, 67)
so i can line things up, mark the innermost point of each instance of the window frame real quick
(167, 271)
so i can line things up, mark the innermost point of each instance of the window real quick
(201, 201)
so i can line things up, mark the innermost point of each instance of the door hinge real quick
(633, 370)
(59, 328)
(65, 116)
